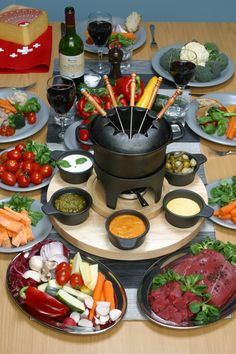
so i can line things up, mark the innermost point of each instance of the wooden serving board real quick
(91, 236)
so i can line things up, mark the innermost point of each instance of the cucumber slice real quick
(43, 287)
(53, 287)
(72, 302)
(78, 294)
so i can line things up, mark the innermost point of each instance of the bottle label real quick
(71, 66)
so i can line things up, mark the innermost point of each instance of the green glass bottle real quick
(71, 50)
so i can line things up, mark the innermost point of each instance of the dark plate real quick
(121, 300)
(158, 267)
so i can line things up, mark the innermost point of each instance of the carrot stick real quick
(102, 297)
(233, 212)
(216, 212)
(231, 129)
(109, 293)
(227, 208)
(225, 217)
(7, 105)
(96, 294)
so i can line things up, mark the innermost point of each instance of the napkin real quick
(33, 58)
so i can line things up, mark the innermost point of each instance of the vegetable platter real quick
(224, 74)
(226, 99)
(186, 290)
(66, 291)
(40, 224)
(82, 29)
(34, 124)
(26, 167)
(222, 193)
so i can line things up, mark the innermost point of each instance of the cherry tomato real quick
(19, 172)
(20, 147)
(2, 169)
(28, 166)
(3, 157)
(46, 170)
(28, 155)
(31, 118)
(62, 276)
(76, 280)
(36, 166)
(84, 134)
(23, 180)
(11, 166)
(8, 178)
(36, 177)
(63, 266)
(14, 154)
(10, 131)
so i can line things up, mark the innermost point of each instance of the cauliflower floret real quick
(132, 22)
(199, 49)
(18, 97)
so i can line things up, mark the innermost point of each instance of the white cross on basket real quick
(24, 50)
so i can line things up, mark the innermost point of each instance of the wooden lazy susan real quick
(91, 236)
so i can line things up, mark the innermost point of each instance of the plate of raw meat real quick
(192, 287)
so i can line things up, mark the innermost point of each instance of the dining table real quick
(21, 335)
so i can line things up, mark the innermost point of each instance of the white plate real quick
(40, 231)
(70, 139)
(82, 29)
(226, 99)
(224, 75)
(31, 187)
(28, 130)
(226, 223)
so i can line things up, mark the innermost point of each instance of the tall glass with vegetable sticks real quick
(61, 94)
(100, 29)
(182, 66)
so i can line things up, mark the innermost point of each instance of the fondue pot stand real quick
(139, 156)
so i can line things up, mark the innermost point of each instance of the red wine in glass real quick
(100, 31)
(182, 71)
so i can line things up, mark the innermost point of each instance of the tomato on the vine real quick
(36, 166)
(11, 166)
(63, 266)
(20, 147)
(14, 154)
(36, 177)
(2, 169)
(46, 170)
(28, 155)
(76, 280)
(8, 178)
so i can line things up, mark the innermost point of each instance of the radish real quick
(115, 314)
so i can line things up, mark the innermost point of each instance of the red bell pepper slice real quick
(43, 303)
(123, 86)
(85, 109)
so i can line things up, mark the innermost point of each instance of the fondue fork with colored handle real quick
(112, 96)
(132, 101)
(96, 105)
(151, 101)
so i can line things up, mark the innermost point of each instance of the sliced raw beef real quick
(218, 274)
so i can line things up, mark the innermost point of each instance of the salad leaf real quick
(41, 151)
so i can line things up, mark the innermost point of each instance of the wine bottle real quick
(71, 50)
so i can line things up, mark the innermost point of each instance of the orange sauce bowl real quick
(127, 229)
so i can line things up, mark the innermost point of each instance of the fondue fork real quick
(170, 101)
(132, 101)
(112, 96)
(96, 105)
(151, 101)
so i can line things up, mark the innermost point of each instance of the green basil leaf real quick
(80, 160)
(63, 163)
(195, 306)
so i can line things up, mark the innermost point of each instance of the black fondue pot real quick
(142, 154)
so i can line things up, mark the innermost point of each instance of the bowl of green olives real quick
(181, 167)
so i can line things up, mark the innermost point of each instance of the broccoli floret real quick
(16, 120)
(166, 57)
(31, 105)
(215, 67)
(203, 74)
(212, 49)
(222, 60)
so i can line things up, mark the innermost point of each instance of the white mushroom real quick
(33, 275)
(36, 263)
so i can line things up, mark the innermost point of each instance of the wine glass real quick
(182, 66)
(100, 29)
(61, 94)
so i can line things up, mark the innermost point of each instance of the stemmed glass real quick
(100, 29)
(61, 94)
(182, 67)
